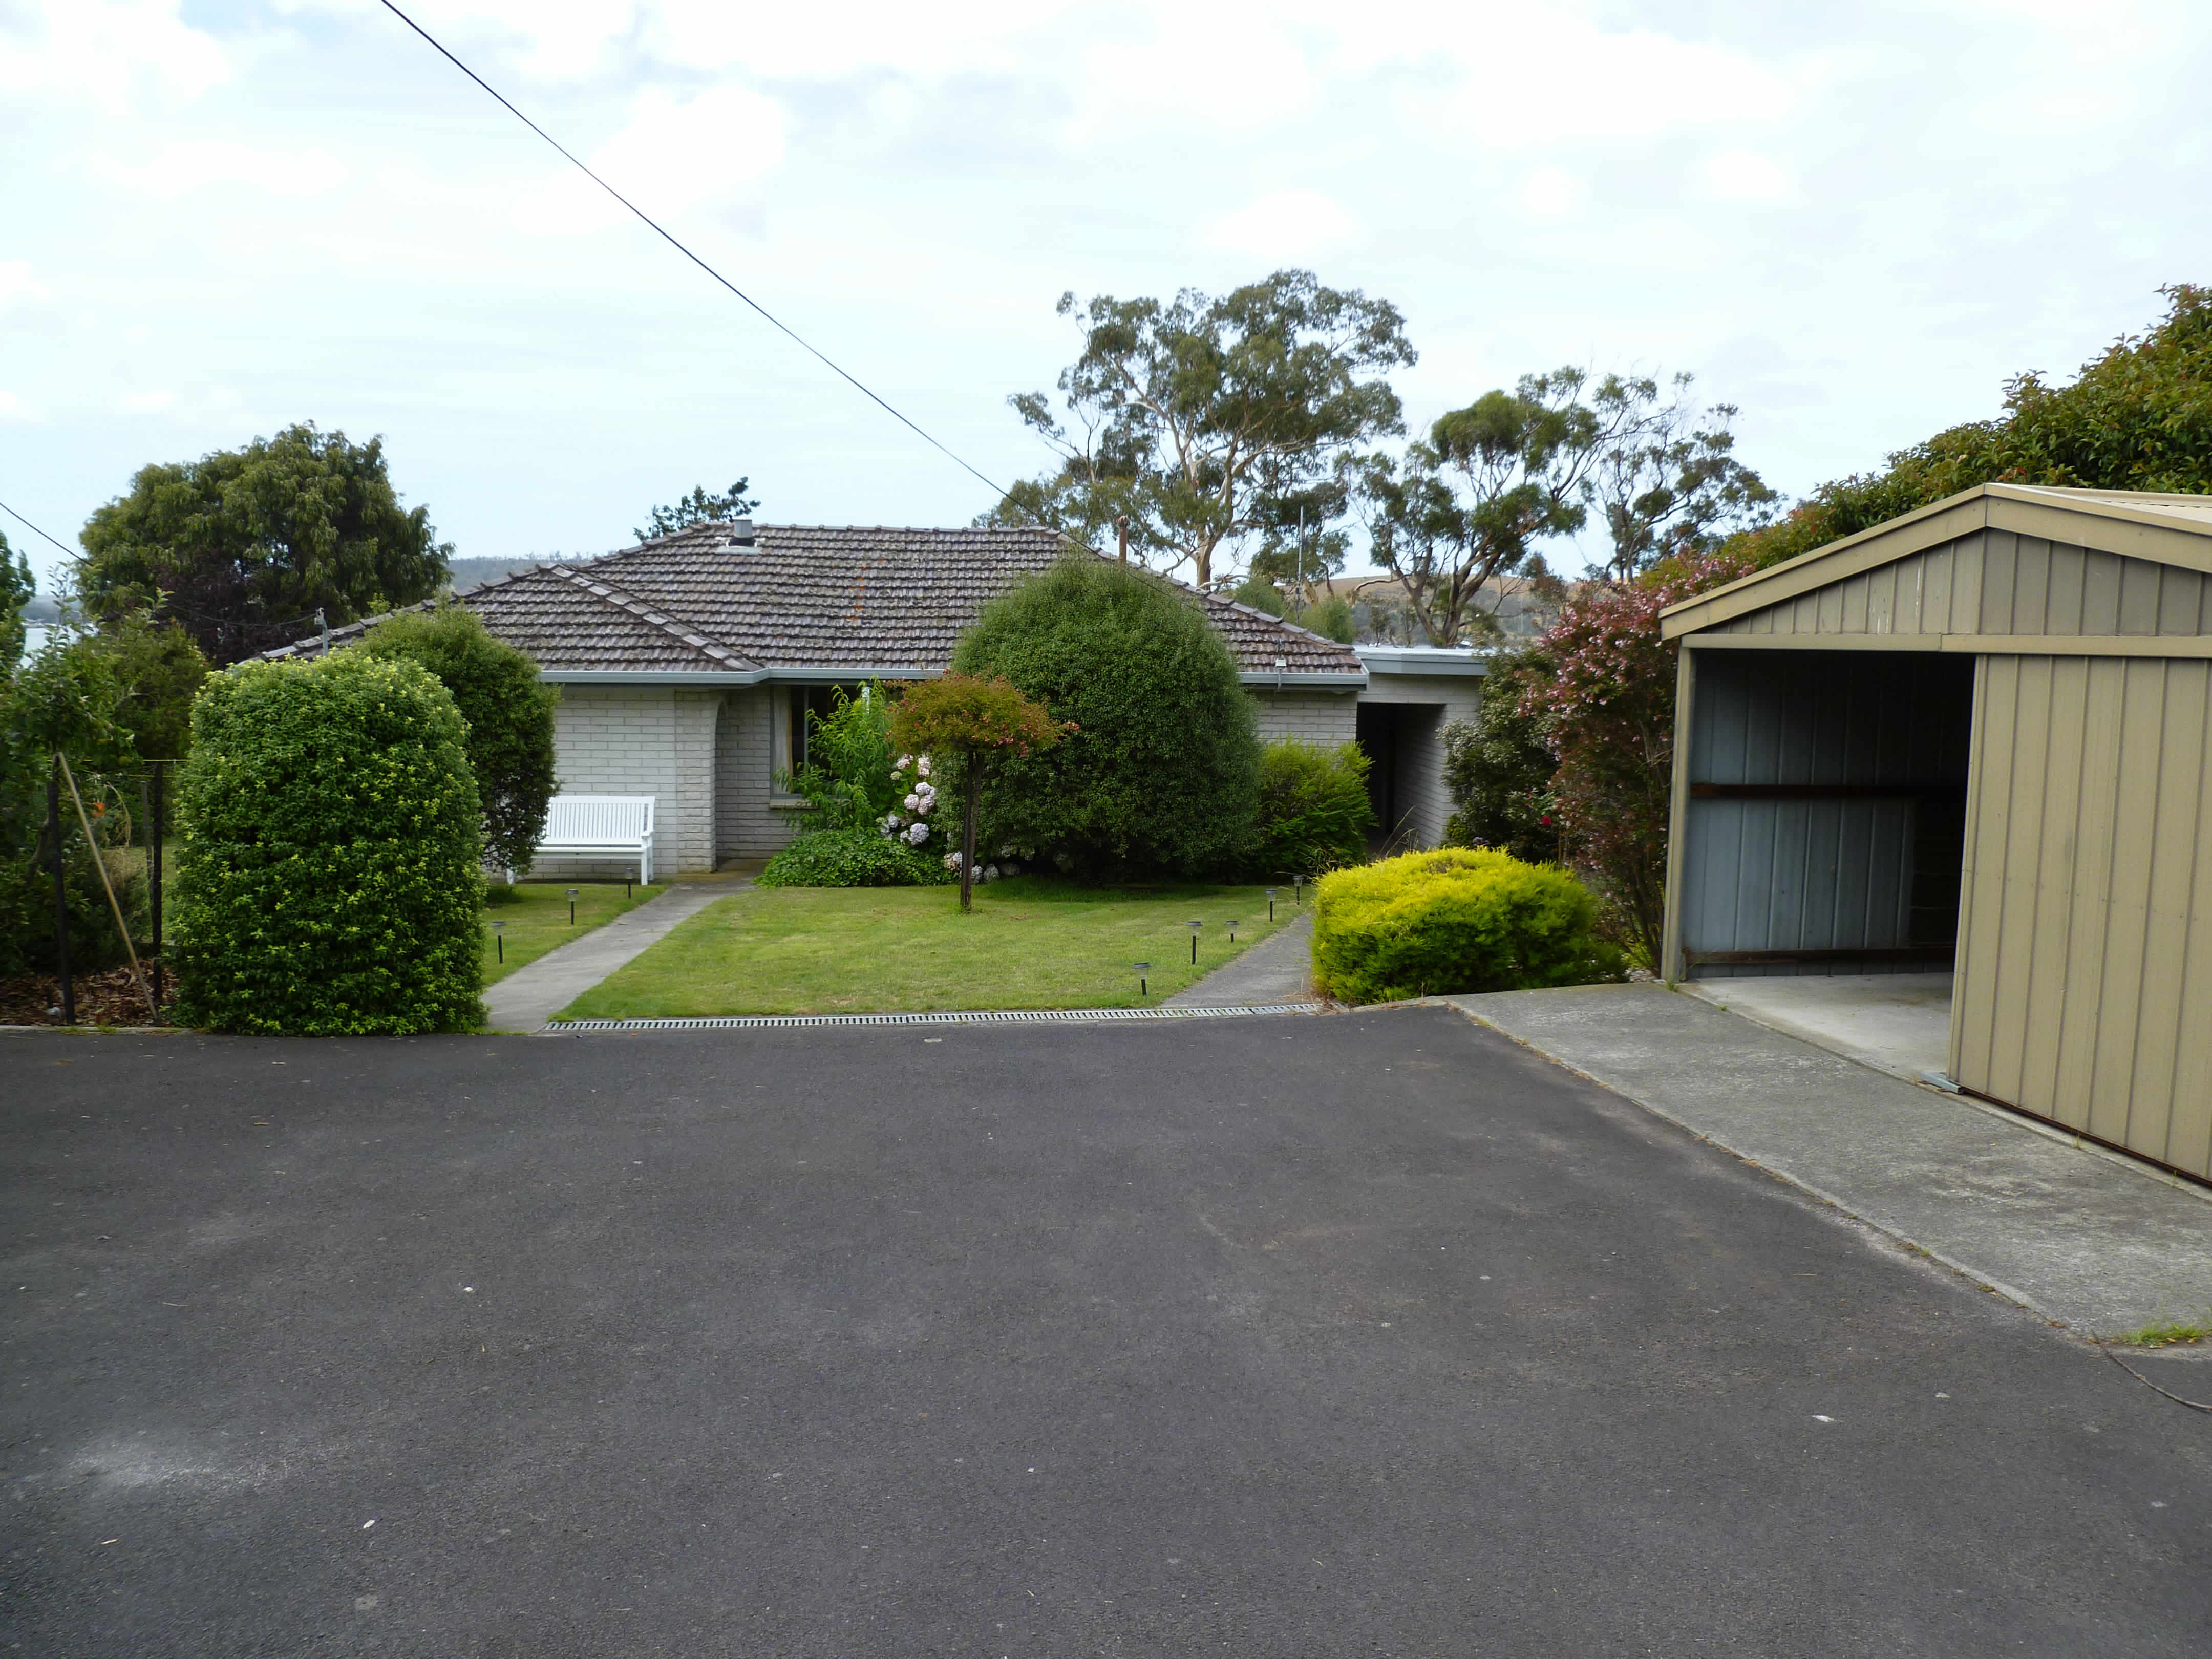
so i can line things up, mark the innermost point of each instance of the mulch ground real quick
(109, 998)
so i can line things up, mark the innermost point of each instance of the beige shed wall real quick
(1997, 582)
(2084, 983)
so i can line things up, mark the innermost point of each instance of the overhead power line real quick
(35, 529)
(660, 231)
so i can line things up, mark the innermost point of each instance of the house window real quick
(794, 729)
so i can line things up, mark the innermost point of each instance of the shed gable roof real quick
(1987, 524)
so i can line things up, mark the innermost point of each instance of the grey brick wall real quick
(640, 740)
(1423, 803)
(744, 762)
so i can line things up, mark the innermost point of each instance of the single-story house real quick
(687, 666)
(1972, 742)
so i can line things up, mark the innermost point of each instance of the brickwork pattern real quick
(746, 827)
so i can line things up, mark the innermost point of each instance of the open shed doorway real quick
(1824, 839)
(1404, 773)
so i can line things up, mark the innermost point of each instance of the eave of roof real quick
(2166, 529)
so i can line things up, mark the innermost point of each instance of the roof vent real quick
(741, 531)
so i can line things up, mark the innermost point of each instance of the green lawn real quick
(537, 917)
(1032, 942)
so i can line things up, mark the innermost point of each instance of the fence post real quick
(60, 890)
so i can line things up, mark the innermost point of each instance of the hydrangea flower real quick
(918, 834)
(914, 803)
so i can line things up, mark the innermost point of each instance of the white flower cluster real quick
(912, 773)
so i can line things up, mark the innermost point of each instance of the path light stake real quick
(1195, 927)
(1232, 932)
(572, 907)
(626, 884)
(1143, 968)
(1272, 891)
(1298, 889)
(499, 938)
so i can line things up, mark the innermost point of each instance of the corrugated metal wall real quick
(1800, 870)
(1994, 581)
(2084, 988)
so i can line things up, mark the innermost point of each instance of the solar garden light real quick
(499, 938)
(1195, 927)
(1232, 932)
(1272, 891)
(1297, 884)
(572, 907)
(1143, 968)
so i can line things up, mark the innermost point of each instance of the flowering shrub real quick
(1607, 713)
(846, 782)
(908, 820)
(851, 858)
(1435, 924)
(977, 720)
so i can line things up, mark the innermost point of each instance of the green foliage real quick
(970, 714)
(1498, 766)
(1436, 924)
(1332, 620)
(17, 586)
(699, 507)
(1214, 421)
(157, 671)
(2138, 416)
(1261, 594)
(847, 781)
(329, 880)
(244, 545)
(1162, 773)
(509, 709)
(1314, 813)
(858, 857)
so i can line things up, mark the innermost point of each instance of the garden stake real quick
(1270, 903)
(1195, 927)
(1142, 989)
(99, 864)
(572, 907)
(61, 893)
(1232, 932)
(499, 938)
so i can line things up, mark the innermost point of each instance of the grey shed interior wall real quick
(1812, 872)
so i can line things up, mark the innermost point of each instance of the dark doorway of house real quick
(1404, 773)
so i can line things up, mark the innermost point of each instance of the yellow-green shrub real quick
(1433, 924)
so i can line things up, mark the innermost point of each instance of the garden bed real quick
(1032, 942)
(106, 999)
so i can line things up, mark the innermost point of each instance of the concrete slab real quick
(2078, 1236)
(1896, 1022)
(528, 997)
(1279, 969)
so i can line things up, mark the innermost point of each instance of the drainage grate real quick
(1008, 1017)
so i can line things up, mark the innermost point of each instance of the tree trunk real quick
(972, 780)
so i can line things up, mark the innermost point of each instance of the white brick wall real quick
(1422, 801)
(640, 740)
(1322, 717)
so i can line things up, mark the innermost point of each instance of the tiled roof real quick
(805, 597)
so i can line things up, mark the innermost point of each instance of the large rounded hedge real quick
(1162, 773)
(329, 877)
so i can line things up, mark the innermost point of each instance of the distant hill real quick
(469, 574)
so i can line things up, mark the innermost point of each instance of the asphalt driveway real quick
(1368, 1334)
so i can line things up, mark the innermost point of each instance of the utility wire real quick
(774, 321)
(33, 529)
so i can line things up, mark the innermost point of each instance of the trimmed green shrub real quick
(1434, 924)
(1315, 812)
(851, 858)
(328, 878)
(1162, 774)
(509, 712)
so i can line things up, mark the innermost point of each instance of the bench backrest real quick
(604, 820)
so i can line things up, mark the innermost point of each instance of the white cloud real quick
(1741, 175)
(147, 403)
(12, 407)
(670, 158)
(196, 164)
(17, 285)
(1551, 193)
(110, 53)
(1285, 226)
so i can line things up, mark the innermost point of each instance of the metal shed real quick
(1973, 740)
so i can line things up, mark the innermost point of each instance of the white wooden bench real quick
(608, 826)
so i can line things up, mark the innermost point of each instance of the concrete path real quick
(528, 997)
(1373, 1334)
(2082, 1237)
(1276, 969)
(1896, 1022)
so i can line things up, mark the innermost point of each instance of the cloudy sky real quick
(223, 216)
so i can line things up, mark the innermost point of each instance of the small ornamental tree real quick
(508, 711)
(329, 881)
(1607, 710)
(977, 720)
